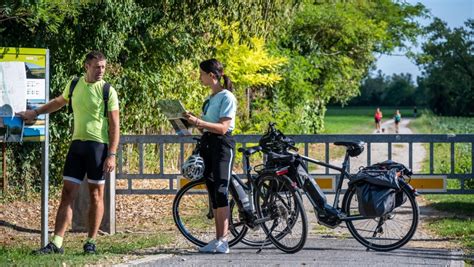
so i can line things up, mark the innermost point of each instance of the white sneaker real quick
(222, 247)
(210, 247)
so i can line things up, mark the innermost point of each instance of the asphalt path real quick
(318, 251)
(324, 247)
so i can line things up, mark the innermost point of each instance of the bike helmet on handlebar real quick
(275, 141)
(193, 167)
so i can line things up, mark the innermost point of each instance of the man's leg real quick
(64, 215)
(96, 209)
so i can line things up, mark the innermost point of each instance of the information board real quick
(23, 85)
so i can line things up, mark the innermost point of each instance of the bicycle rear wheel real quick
(385, 233)
(280, 203)
(193, 216)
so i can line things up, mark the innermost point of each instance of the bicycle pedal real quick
(254, 228)
(330, 225)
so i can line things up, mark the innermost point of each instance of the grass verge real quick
(111, 249)
(349, 124)
(459, 225)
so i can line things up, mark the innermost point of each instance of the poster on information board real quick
(23, 85)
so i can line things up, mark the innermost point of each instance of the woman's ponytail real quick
(214, 66)
(227, 83)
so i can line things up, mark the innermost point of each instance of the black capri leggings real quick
(218, 154)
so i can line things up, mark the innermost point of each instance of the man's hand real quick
(29, 116)
(109, 164)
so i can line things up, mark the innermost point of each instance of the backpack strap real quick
(105, 92)
(105, 95)
(71, 89)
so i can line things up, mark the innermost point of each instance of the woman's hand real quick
(190, 118)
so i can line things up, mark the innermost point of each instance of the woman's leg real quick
(222, 222)
(222, 172)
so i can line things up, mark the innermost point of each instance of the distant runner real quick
(378, 117)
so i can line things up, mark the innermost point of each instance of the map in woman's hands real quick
(173, 110)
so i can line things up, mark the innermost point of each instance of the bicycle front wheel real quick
(192, 214)
(385, 233)
(280, 205)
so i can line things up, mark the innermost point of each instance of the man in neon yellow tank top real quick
(92, 151)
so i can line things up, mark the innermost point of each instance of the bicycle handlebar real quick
(277, 139)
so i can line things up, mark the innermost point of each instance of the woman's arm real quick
(220, 127)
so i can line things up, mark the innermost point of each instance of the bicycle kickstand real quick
(263, 243)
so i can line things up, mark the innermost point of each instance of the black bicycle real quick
(386, 232)
(265, 202)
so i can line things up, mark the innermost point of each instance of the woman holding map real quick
(217, 146)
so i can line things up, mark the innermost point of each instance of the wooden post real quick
(80, 218)
(4, 168)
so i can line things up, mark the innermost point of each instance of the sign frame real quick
(34, 55)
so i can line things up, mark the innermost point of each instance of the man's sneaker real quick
(89, 248)
(50, 248)
(222, 247)
(210, 247)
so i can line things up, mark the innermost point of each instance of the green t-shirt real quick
(397, 118)
(88, 107)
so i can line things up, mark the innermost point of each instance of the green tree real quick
(381, 90)
(400, 91)
(252, 68)
(331, 46)
(152, 47)
(448, 63)
(371, 90)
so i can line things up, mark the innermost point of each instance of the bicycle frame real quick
(344, 174)
(343, 171)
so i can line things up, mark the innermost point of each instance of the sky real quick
(453, 12)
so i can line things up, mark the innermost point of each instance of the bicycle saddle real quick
(354, 149)
(251, 150)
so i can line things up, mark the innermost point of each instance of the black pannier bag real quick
(400, 198)
(374, 200)
(377, 188)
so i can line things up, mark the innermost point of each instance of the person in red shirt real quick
(378, 117)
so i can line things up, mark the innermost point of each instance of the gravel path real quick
(400, 151)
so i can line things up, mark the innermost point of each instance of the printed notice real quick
(12, 88)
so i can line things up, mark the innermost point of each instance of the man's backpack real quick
(105, 95)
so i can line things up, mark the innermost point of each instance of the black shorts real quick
(218, 154)
(377, 120)
(85, 157)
